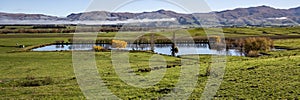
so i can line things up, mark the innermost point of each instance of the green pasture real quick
(50, 75)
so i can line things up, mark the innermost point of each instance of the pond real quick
(183, 49)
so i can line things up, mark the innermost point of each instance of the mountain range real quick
(261, 15)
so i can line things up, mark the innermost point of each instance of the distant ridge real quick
(261, 15)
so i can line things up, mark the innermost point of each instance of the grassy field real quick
(229, 32)
(50, 75)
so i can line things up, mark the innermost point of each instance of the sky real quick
(63, 8)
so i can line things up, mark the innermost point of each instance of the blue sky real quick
(66, 7)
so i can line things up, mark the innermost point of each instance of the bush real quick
(258, 44)
(98, 48)
(216, 43)
(252, 54)
(252, 45)
(119, 44)
(176, 50)
(216, 39)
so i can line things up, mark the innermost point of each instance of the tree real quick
(119, 44)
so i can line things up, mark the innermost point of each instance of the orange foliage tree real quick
(119, 44)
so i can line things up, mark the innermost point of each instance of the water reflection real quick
(183, 49)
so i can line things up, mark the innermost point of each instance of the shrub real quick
(258, 44)
(252, 45)
(98, 48)
(216, 43)
(176, 50)
(119, 44)
(252, 54)
(216, 39)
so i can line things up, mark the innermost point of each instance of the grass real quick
(229, 32)
(290, 43)
(274, 77)
(264, 78)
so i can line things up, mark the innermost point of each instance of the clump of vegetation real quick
(142, 40)
(98, 48)
(119, 44)
(30, 81)
(176, 50)
(252, 45)
(216, 43)
(253, 54)
(216, 39)
(208, 69)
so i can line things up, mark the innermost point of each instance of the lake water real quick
(184, 49)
